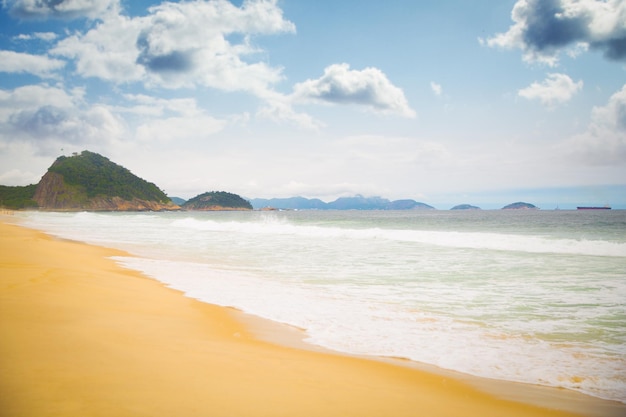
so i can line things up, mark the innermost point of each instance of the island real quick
(520, 206)
(465, 207)
(216, 201)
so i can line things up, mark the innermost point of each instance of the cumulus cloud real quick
(604, 141)
(48, 116)
(182, 45)
(341, 85)
(59, 9)
(543, 28)
(40, 65)
(555, 89)
(107, 52)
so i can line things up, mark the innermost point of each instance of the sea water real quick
(528, 296)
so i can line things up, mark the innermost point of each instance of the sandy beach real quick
(82, 336)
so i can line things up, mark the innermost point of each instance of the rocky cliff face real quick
(53, 193)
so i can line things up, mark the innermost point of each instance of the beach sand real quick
(82, 336)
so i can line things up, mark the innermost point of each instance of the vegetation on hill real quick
(217, 200)
(520, 206)
(16, 198)
(98, 176)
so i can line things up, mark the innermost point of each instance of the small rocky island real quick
(217, 201)
(520, 206)
(465, 207)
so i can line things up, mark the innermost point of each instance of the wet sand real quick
(82, 336)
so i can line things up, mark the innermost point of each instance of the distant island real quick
(520, 206)
(216, 200)
(465, 207)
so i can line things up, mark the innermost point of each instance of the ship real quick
(593, 208)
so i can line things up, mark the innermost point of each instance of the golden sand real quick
(82, 336)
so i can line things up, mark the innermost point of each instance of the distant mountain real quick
(465, 207)
(293, 203)
(217, 200)
(520, 206)
(408, 205)
(89, 181)
(343, 203)
(359, 203)
(178, 201)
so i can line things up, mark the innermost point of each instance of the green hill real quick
(520, 205)
(89, 181)
(217, 200)
(98, 176)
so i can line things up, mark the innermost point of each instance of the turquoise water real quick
(529, 296)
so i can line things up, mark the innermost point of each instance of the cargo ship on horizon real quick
(593, 208)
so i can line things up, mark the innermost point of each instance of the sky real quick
(445, 102)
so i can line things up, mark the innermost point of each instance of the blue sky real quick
(446, 102)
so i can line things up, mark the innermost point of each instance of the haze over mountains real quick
(358, 202)
(89, 181)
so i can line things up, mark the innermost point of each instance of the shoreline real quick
(533, 394)
(94, 338)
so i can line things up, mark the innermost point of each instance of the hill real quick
(217, 200)
(465, 207)
(520, 206)
(89, 181)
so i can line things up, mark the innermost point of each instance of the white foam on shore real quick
(342, 322)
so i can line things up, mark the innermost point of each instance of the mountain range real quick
(358, 202)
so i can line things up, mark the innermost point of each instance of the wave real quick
(448, 239)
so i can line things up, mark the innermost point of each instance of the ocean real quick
(521, 295)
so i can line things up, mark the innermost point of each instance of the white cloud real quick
(436, 88)
(182, 45)
(17, 176)
(341, 85)
(44, 36)
(108, 51)
(18, 62)
(555, 89)
(154, 106)
(604, 141)
(544, 28)
(61, 9)
(48, 117)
